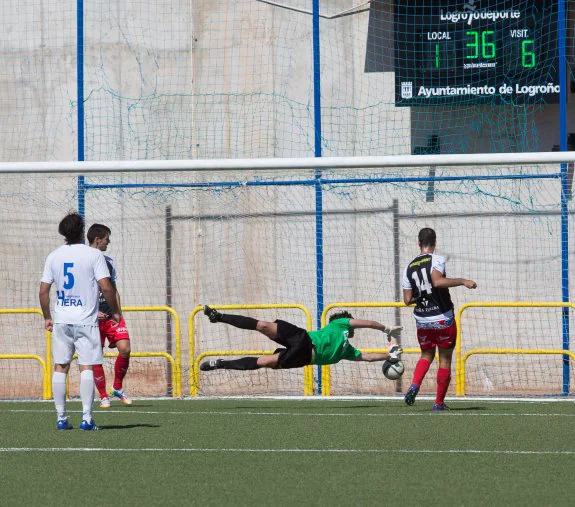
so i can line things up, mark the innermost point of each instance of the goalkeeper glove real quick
(392, 332)
(395, 352)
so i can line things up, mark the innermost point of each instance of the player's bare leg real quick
(269, 329)
(268, 361)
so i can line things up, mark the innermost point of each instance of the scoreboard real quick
(475, 52)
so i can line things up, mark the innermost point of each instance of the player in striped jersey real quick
(117, 335)
(426, 284)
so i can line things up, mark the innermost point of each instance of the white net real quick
(185, 239)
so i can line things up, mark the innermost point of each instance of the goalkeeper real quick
(300, 348)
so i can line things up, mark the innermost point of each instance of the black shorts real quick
(297, 343)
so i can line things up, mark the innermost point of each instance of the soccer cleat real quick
(123, 397)
(89, 426)
(105, 402)
(64, 424)
(210, 365)
(212, 314)
(411, 394)
(439, 406)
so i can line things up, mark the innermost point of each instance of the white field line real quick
(271, 451)
(451, 413)
(327, 399)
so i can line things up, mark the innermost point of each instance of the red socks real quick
(100, 380)
(443, 380)
(120, 369)
(421, 369)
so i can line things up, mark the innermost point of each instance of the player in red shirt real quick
(117, 334)
(425, 284)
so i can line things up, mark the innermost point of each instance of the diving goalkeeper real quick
(328, 345)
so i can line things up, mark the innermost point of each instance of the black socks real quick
(244, 363)
(239, 321)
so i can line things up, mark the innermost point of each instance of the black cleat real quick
(210, 365)
(212, 314)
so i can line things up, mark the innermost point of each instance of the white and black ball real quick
(393, 370)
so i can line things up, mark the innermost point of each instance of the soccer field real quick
(259, 451)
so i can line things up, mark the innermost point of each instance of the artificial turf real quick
(288, 452)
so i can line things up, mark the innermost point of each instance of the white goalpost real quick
(278, 164)
(304, 232)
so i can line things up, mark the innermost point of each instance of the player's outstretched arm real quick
(440, 281)
(371, 357)
(394, 355)
(392, 332)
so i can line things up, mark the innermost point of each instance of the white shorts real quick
(70, 338)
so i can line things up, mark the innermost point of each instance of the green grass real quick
(311, 452)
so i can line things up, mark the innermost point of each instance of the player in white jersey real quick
(78, 273)
(425, 284)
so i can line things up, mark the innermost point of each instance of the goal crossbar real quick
(305, 163)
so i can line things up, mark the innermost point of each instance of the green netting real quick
(236, 79)
(187, 239)
(186, 80)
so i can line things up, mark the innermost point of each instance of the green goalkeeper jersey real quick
(331, 343)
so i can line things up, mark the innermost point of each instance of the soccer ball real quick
(393, 371)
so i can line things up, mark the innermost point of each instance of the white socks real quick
(87, 394)
(59, 393)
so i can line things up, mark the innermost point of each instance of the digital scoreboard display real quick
(475, 52)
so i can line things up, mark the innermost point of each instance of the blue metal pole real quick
(318, 188)
(564, 189)
(80, 93)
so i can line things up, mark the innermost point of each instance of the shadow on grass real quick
(127, 426)
(314, 408)
(120, 405)
(464, 409)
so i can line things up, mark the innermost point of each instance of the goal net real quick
(184, 239)
(203, 80)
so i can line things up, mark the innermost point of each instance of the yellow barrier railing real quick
(142, 354)
(508, 351)
(326, 370)
(175, 362)
(46, 365)
(460, 361)
(45, 377)
(194, 362)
